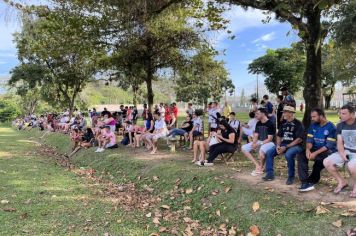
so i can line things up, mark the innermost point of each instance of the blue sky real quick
(252, 39)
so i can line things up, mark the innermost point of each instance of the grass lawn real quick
(50, 200)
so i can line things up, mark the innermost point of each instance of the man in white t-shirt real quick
(159, 132)
(249, 128)
(212, 113)
(197, 129)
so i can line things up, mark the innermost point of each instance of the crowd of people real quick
(270, 132)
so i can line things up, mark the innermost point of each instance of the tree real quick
(281, 67)
(202, 79)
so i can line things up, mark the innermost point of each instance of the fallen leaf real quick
(218, 213)
(156, 220)
(106, 234)
(337, 223)
(215, 192)
(351, 212)
(232, 231)
(24, 216)
(119, 221)
(255, 206)
(187, 220)
(325, 203)
(148, 215)
(178, 181)
(254, 230)
(154, 234)
(155, 178)
(321, 210)
(227, 189)
(4, 201)
(165, 207)
(162, 229)
(9, 209)
(188, 190)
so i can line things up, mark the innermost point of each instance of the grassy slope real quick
(279, 213)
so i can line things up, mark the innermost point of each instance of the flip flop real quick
(337, 191)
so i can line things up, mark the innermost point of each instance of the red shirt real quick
(167, 115)
(175, 112)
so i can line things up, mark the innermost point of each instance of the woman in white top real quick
(159, 132)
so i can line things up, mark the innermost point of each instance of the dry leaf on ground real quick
(255, 206)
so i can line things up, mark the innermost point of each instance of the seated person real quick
(75, 137)
(127, 136)
(110, 121)
(196, 130)
(149, 128)
(289, 140)
(321, 143)
(203, 147)
(346, 150)
(249, 128)
(184, 130)
(160, 131)
(172, 121)
(107, 140)
(138, 131)
(262, 140)
(226, 142)
(86, 142)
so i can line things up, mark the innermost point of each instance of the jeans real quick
(179, 132)
(290, 155)
(303, 167)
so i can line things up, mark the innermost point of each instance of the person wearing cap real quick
(262, 139)
(288, 99)
(289, 140)
(321, 142)
(346, 150)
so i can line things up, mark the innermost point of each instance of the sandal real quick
(338, 190)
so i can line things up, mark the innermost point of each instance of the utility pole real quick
(257, 89)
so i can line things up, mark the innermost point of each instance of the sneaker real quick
(268, 177)
(199, 163)
(208, 164)
(102, 149)
(307, 187)
(290, 181)
(302, 185)
(98, 150)
(256, 173)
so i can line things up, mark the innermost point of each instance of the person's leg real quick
(329, 163)
(303, 168)
(149, 141)
(270, 154)
(203, 148)
(246, 150)
(317, 168)
(214, 152)
(191, 139)
(195, 151)
(290, 155)
(74, 151)
(262, 152)
(351, 165)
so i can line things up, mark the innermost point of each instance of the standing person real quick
(175, 113)
(321, 143)
(346, 150)
(301, 107)
(279, 111)
(288, 99)
(144, 114)
(213, 116)
(262, 140)
(162, 110)
(227, 110)
(190, 109)
(134, 114)
(196, 130)
(167, 114)
(289, 140)
(254, 104)
(270, 109)
(105, 112)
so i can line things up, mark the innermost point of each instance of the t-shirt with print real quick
(212, 117)
(322, 136)
(189, 127)
(235, 124)
(160, 124)
(264, 129)
(197, 122)
(290, 131)
(348, 133)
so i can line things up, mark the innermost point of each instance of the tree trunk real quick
(134, 98)
(150, 94)
(312, 74)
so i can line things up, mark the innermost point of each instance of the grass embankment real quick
(50, 200)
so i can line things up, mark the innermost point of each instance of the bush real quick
(8, 110)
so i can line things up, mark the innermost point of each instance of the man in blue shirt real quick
(321, 142)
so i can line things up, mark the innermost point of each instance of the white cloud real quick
(2, 62)
(265, 38)
(246, 62)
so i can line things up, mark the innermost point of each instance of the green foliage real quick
(281, 67)
(8, 109)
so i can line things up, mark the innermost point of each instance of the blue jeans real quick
(179, 132)
(290, 156)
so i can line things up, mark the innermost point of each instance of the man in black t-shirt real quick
(279, 111)
(289, 139)
(262, 139)
(186, 127)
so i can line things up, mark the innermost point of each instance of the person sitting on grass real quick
(262, 140)
(346, 150)
(107, 140)
(184, 129)
(289, 140)
(226, 142)
(197, 128)
(321, 143)
(249, 128)
(75, 137)
(160, 131)
(86, 142)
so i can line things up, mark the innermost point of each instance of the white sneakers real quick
(100, 150)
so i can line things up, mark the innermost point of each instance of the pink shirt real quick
(112, 137)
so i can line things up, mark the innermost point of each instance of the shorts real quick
(336, 159)
(159, 135)
(263, 148)
(196, 133)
